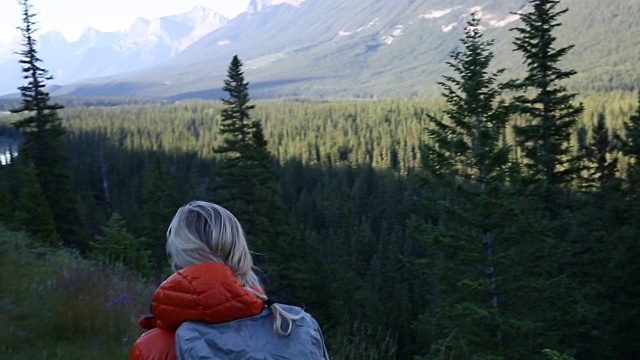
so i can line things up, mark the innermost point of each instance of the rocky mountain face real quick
(367, 48)
(325, 48)
(147, 42)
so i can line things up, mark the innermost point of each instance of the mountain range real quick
(337, 48)
(97, 53)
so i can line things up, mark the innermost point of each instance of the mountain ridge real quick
(365, 49)
(99, 53)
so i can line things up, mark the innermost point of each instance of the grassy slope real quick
(54, 305)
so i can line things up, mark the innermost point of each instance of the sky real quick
(70, 17)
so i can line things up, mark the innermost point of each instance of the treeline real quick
(7, 104)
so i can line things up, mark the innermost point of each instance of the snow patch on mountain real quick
(490, 20)
(434, 14)
(397, 31)
(362, 28)
(447, 28)
(370, 24)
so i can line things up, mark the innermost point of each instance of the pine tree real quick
(119, 246)
(551, 165)
(469, 157)
(246, 183)
(549, 115)
(246, 169)
(42, 135)
(469, 145)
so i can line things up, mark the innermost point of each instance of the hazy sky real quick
(70, 17)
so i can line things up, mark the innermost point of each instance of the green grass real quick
(56, 305)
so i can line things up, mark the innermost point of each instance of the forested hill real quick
(368, 48)
(346, 171)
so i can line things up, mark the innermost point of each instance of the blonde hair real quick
(205, 232)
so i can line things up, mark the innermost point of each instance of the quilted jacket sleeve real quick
(155, 344)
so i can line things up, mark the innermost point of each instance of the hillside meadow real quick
(54, 304)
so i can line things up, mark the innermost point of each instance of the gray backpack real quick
(251, 338)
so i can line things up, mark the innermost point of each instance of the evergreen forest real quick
(498, 221)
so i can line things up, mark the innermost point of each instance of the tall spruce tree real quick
(469, 157)
(468, 144)
(549, 114)
(246, 183)
(489, 251)
(551, 166)
(42, 136)
(243, 153)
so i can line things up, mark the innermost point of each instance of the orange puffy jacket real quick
(207, 292)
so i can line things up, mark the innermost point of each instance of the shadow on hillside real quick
(217, 93)
(119, 89)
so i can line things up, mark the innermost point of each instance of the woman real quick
(213, 306)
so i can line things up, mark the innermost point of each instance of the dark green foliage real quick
(631, 142)
(486, 245)
(6, 196)
(345, 170)
(551, 165)
(550, 116)
(234, 186)
(602, 213)
(119, 246)
(601, 155)
(158, 207)
(468, 144)
(624, 290)
(42, 137)
(469, 159)
(356, 342)
(246, 183)
(32, 213)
